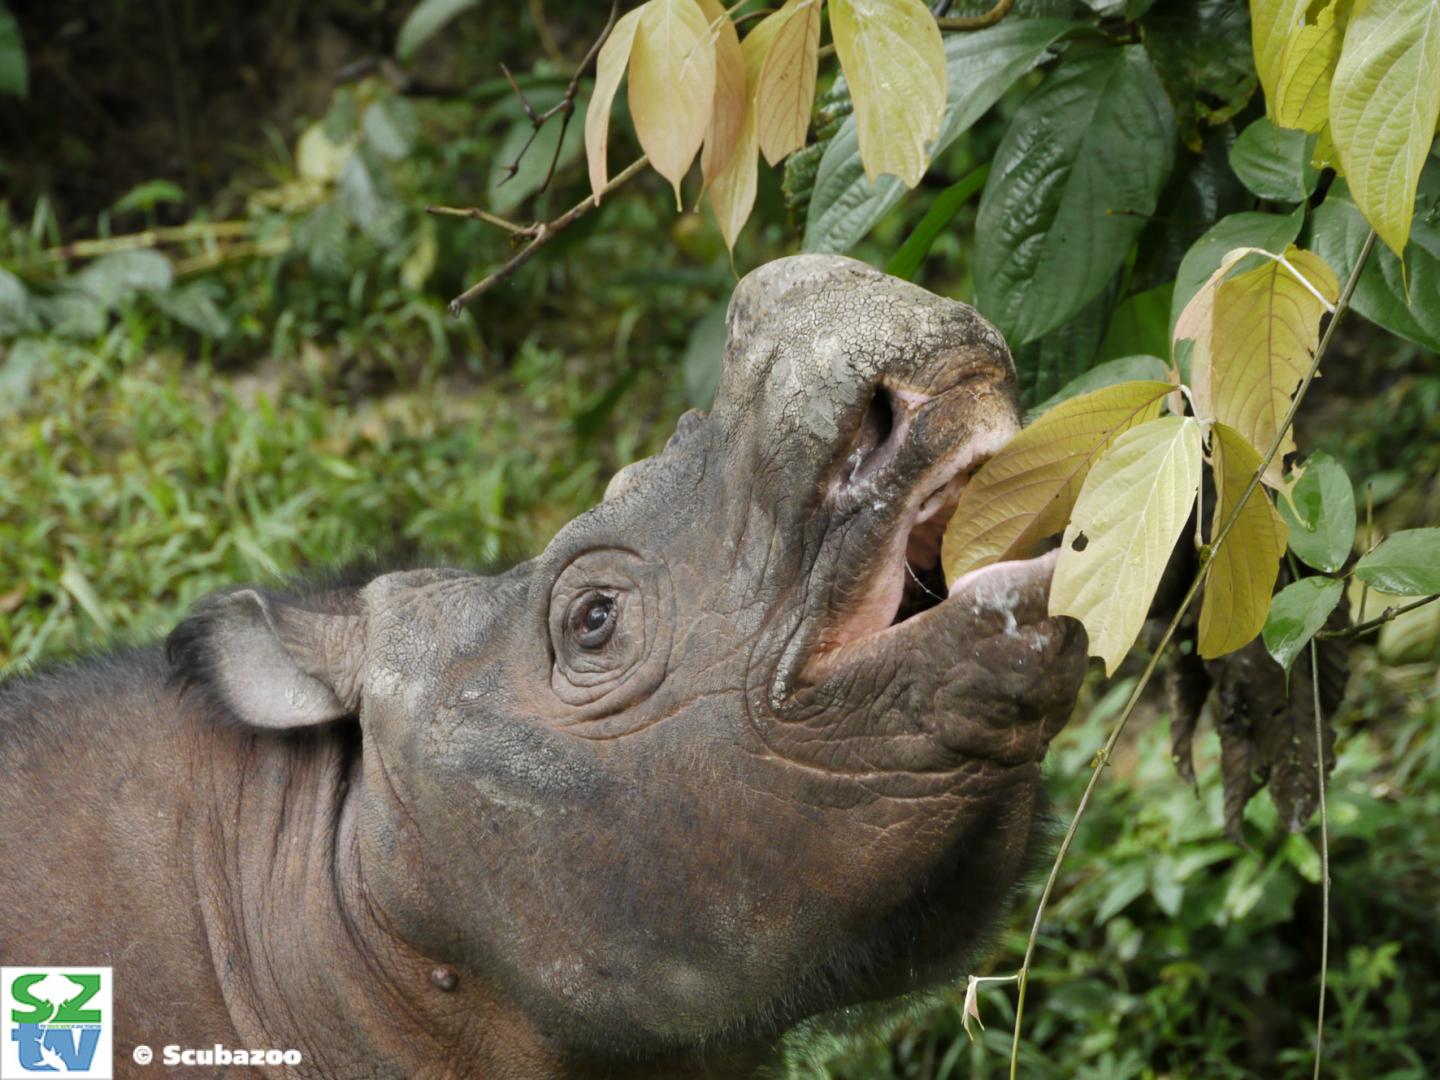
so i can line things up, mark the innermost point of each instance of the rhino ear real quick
(273, 662)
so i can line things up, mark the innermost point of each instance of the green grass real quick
(136, 482)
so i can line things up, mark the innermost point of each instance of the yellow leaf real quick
(786, 89)
(1302, 91)
(732, 188)
(894, 62)
(1272, 24)
(1262, 337)
(609, 70)
(1026, 491)
(672, 85)
(727, 115)
(1237, 590)
(1384, 104)
(1133, 506)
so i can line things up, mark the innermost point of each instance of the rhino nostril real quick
(876, 428)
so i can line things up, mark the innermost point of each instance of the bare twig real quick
(542, 232)
(977, 22)
(476, 214)
(564, 108)
(1103, 757)
(1324, 856)
(1389, 614)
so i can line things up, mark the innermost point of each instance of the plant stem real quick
(1324, 857)
(977, 22)
(1103, 757)
(1388, 615)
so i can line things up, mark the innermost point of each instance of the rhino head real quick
(725, 754)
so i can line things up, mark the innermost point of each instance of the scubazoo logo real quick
(57, 1022)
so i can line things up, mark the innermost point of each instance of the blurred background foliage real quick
(224, 355)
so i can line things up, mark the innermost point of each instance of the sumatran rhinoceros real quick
(723, 757)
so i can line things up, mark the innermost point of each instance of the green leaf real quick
(191, 305)
(425, 20)
(1026, 491)
(1384, 105)
(1320, 513)
(1272, 232)
(1132, 509)
(703, 355)
(1237, 590)
(1339, 231)
(390, 126)
(117, 276)
(906, 262)
(1273, 24)
(1274, 162)
(1111, 372)
(1140, 325)
(980, 66)
(1406, 563)
(1301, 96)
(894, 62)
(1298, 611)
(16, 316)
(73, 581)
(1074, 180)
(14, 74)
(145, 197)
(1201, 49)
(1043, 367)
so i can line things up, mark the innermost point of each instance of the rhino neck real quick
(302, 959)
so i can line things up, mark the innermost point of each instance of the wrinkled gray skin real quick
(630, 808)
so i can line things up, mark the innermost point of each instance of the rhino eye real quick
(593, 620)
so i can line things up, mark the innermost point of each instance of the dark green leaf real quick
(1140, 326)
(1123, 369)
(1202, 190)
(982, 65)
(1202, 50)
(1297, 612)
(1406, 563)
(1339, 233)
(425, 21)
(1271, 232)
(1043, 367)
(905, 262)
(1274, 162)
(1322, 517)
(703, 355)
(14, 73)
(1074, 179)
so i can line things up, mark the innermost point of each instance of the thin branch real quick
(1388, 615)
(1324, 857)
(564, 108)
(1103, 757)
(977, 22)
(542, 232)
(476, 214)
(149, 238)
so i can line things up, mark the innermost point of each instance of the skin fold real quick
(631, 808)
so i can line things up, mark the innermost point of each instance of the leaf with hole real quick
(1131, 510)
(894, 63)
(1244, 567)
(1319, 510)
(1297, 613)
(1407, 562)
(1074, 180)
(1026, 491)
(1384, 105)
